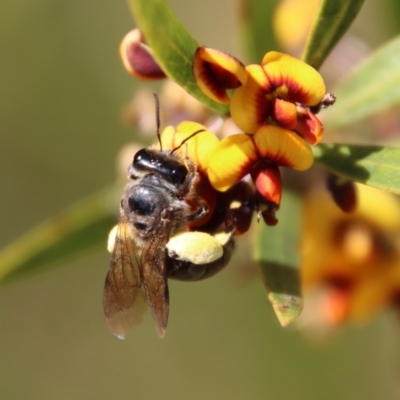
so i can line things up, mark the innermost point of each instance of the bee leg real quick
(266, 210)
(201, 205)
(238, 218)
(192, 177)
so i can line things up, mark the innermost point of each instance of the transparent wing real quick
(124, 298)
(155, 277)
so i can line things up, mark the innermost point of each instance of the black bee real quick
(160, 201)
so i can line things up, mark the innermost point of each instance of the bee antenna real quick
(185, 140)
(157, 100)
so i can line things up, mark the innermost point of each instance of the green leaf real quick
(77, 229)
(375, 166)
(277, 253)
(373, 87)
(172, 45)
(256, 19)
(332, 20)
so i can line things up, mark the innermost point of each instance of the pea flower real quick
(351, 261)
(259, 155)
(282, 88)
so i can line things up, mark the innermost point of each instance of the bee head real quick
(161, 164)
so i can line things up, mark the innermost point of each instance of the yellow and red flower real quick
(352, 259)
(282, 88)
(259, 155)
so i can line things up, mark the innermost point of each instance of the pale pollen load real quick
(111, 239)
(198, 247)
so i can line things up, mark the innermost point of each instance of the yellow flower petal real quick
(250, 106)
(286, 15)
(370, 296)
(199, 147)
(215, 71)
(231, 161)
(293, 80)
(387, 218)
(283, 147)
(168, 138)
(137, 57)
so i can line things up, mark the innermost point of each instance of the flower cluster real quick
(282, 87)
(275, 105)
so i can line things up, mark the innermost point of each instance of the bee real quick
(162, 200)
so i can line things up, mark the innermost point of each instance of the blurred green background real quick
(61, 94)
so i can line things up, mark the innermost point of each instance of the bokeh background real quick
(61, 95)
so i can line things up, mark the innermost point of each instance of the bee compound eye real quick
(178, 174)
(142, 204)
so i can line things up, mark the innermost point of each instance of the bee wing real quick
(155, 278)
(124, 298)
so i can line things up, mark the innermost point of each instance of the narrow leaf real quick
(373, 87)
(331, 22)
(375, 166)
(77, 229)
(277, 252)
(172, 45)
(256, 18)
